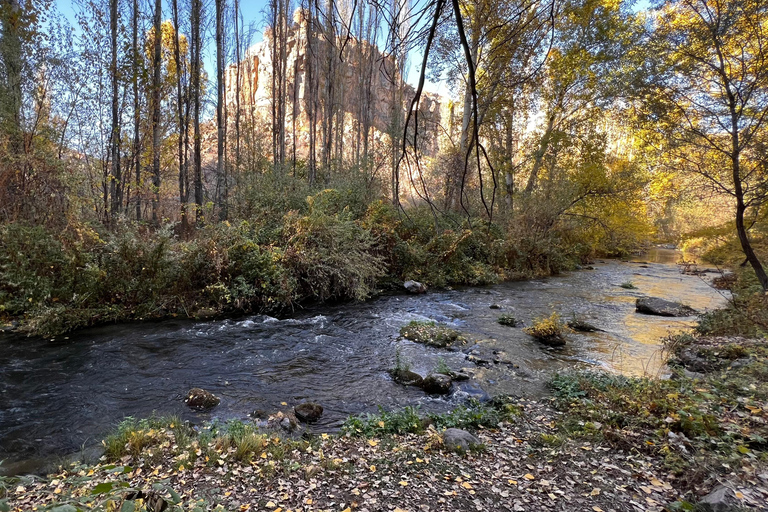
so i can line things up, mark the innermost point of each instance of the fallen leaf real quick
(529, 476)
(403, 483)
(595, 492)
(466, 485)
(597, 509)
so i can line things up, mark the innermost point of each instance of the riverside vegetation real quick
(329, 246)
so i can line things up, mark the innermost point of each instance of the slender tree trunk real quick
(114, 140)
(180, 103)
(220, 122)
(10, 54)
(136, 109)
(538, 157)
(156, 78)
(195, 50)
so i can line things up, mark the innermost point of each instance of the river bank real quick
(102, 375)
(586, 449)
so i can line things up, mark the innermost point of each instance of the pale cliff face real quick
(363, 84)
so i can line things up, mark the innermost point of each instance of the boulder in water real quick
(457, 440)
(201, 399)
(661, 307)
(415, 287)
(308, 412)
(406, 377)
(436, 383)
(470, 390)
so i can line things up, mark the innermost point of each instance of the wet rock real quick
(201, 399)
(581, 325)
(406, 377)
(206, 314)
(501, 357)
(459, 376)
(494, 306)
(457, 440)
(436, 384)
(308, 412)
(470, 390)
(285, 421)
(661, 307)
(478, 359)
(415, 287)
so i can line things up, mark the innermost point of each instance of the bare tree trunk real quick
(10, 53)
(181, 101)
(310, 97)
(220, 121)
(136, 109)
(195, 50)
(114, 139)
(538, 157)
(156, 77)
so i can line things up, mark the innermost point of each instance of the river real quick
(60, 397)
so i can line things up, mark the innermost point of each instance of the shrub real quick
(549, 330)
(508, 320)
(330, 255)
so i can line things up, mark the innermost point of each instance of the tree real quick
(710, 99)
(195, 75)
(156, 86)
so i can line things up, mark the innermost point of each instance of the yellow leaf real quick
(466, 485)
(656, 483)
(398, 509)
(739, 495)
(419, 460)
(324, 436)
(381, 424)
(597, 509)
(373, 442)
(512, 482)
(245, 507)
(529, 476)
(372, 468)
(271, 504)
(646, 489)
(181, 468)
(595, 492)
(347, 510)
(283, 403)
(403, 483)
(263, 455)
(308, 501)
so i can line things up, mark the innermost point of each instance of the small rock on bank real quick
(201, 399)
(457, 440)
(415, 287)
(661, 307)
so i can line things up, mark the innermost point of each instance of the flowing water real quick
(57, 397)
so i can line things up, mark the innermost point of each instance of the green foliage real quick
(329, 254)
(508, 319)
(431, 334)
(628, 285)
(402, 364)
(442, 367)
(407, 420)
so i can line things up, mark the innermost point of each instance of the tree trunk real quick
(180, 103)
(220, 122)
(195, 47)
(136, 109)
(114, 140)
(156, 78)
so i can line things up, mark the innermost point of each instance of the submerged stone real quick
(406, 377)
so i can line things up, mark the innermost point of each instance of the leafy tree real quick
(709, 99)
